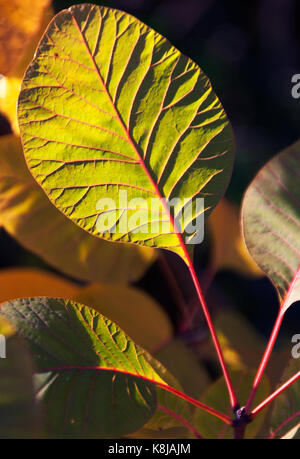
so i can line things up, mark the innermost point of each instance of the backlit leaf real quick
(133, 310)
(271, 219)
(109, 105)
(28, 215)
(92, 379)
(21, 27)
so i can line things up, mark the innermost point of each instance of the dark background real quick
(250, 50)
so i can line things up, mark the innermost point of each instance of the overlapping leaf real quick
(108, 105)
(271, 219)
(133, 310)
(139, 315)
(28, 215)
(29, 282)
(18, 411)
(214, 396)
(19, 23)
(228, 246)
(286, 409)
(21, 27)
(92, 378)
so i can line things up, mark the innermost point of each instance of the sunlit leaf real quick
(271, 219)
(133, 310)
(216, 396)
(286, 407)
(18, 412)
(92, 379)
(228, 247)
(27, 214)
(108, 105)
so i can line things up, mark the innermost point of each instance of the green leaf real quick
(18, 413)
(286, 407)
(28, 215)
(91, 377)
(109, 105)
(216, 396)
(132, 309)
(271, 219)
(184, 365)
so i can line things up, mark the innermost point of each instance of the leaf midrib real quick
(131, 141)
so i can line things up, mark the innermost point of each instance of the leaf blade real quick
(72, 343)
(110, 136)
(271, 222)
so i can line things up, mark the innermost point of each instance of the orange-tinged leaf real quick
(229, 250)
(29, 282)
(20, 22)
(21, 27)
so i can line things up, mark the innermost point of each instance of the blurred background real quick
(250, 51)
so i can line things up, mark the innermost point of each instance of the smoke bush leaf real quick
(28, 215)
(271, 220)
(18, 411)
(285, 420)
(92, 379)
(109, 105)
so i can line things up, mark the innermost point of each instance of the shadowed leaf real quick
(17, 405)
(286, 407)
(271, 220)
(91, 377)
(216, 396)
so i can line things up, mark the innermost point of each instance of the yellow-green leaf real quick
(28, 215)
(108, 105)
(133, 310)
